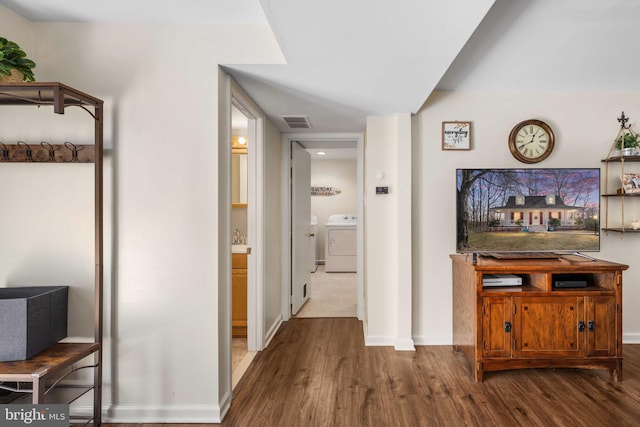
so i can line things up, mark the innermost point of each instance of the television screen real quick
(528, 210)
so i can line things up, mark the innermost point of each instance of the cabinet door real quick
(496, 326)
(601, 326)
(239, 302)
(549, 326)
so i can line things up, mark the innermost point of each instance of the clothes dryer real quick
(340, 243)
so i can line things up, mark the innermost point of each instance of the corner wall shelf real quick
(614, 157)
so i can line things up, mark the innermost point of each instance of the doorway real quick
(313, 143)
(239, 239)
(334, 206)
(245, 241)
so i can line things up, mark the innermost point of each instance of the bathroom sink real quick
(239, 249)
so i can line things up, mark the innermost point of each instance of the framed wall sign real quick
(456, 135)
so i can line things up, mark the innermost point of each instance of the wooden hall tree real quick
(44, 370)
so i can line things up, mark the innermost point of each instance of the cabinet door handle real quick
(592, 326)
(507, 326)
(581, 326)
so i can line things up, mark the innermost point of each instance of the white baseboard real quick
(631, 338)
(404, 345)
(271, 332)
(141, 414)
(380, 340)
(433, 340)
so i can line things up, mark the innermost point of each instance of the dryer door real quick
(342, 242)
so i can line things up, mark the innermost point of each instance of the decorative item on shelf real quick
(635, 224)
(631, 182)
(15, 67)
(626, 142)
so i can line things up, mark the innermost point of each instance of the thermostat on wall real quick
(382, 190)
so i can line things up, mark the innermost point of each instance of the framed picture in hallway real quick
(456, 135)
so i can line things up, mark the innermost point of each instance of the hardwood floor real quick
(317, 372)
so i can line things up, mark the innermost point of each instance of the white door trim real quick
(287, 139)
(255, 216)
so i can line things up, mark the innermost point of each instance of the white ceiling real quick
(347, 60)
(150, 11)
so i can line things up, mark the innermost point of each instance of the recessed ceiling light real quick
(321, 153)
(242, 140)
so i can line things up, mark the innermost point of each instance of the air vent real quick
(297, 122)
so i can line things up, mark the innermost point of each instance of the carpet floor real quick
(330, 295)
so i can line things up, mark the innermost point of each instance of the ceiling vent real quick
(297, 122)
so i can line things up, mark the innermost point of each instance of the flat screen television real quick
(552, 210)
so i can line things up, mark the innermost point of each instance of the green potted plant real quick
(627, 144)
(13, 60)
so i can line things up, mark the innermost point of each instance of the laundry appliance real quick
(340, 243)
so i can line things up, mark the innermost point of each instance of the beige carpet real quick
(330, 295)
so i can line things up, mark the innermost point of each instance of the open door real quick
(300, 225)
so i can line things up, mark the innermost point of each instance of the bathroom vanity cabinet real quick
(239, 295)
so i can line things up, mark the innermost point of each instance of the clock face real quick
(531, 141)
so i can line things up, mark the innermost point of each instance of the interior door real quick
(300, 225)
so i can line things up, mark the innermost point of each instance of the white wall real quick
(340, 174)
(380, 244)
(167, 261)
(584, 125)
(273, 236)
(387, 232)
(17, 29)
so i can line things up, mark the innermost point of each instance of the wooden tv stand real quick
(538, 325)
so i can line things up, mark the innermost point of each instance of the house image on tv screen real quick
(520, 210)
(537, 213)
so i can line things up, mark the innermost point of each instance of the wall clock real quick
(531, 141)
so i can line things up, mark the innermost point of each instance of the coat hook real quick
(27, 150)
(50, 149)
(4, 153)
(74, 151)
